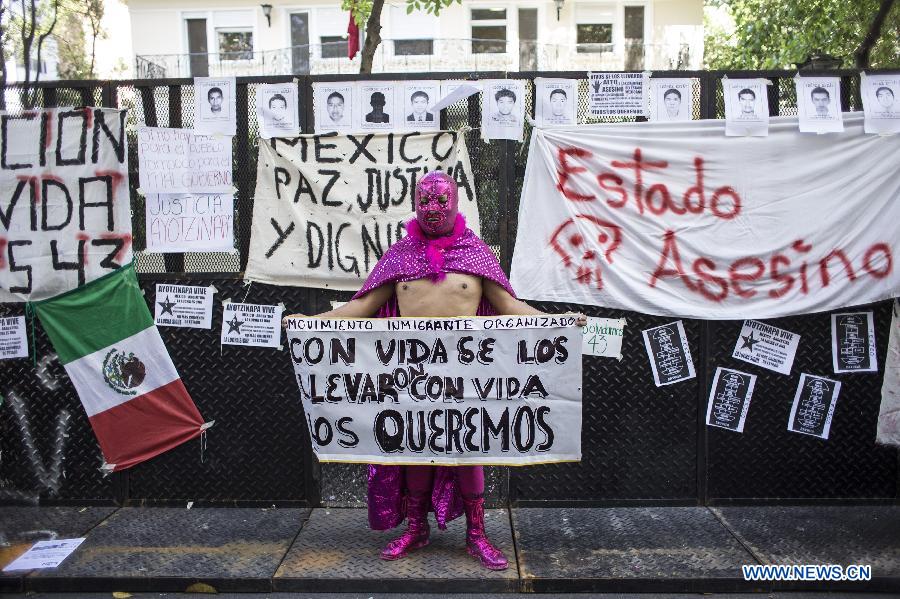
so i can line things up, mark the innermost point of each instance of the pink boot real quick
(417, 528)
(477, 542)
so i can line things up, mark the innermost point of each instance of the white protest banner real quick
(819, 104)
(182, 161)
(767, 346)
(190, 222)
(729, 399)
(65, 210)
(853, 342)
(881, 102)
(617, 94)
(251, 324)
(813, 407)
(468, 390)
(677, 219)
(746, 107)
(215, 104)
(603, 337)
(277, 110)
(13, 342)
(669, 353)
(328, 206)
(185, 306)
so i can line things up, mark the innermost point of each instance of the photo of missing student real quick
(503, 109)
(276, 110)
(819, 104)
(414, 105)
(334, 103)
(671, 100)
(214, 105)
(556, 102)
(746, 107)
(376, 106)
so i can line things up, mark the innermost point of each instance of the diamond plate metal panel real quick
(257, 448)
(166, 549)
(768, 461)
(638, 441)
(601, 548)
(47, 448)
(336, 551)
(820, 534)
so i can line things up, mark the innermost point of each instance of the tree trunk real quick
(4, 30)
(864, 51)
(373, 37)
(40, 45)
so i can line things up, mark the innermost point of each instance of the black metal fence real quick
(641, 444)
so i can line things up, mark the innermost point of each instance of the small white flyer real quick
(670, 100)
(187, 222)
(853, 342)
(813, 406)
(617, 94)
(185, 306)
(215, 105)
(603, 337)
(746, 107)
(454, 91)
(881, 102)
(819, 104)
(729, 399)
(766, 346)
(503, 109)
(13, 340)
(556, 101)
(277, 110)
(44, 554)
(251, 324)
(669, 353)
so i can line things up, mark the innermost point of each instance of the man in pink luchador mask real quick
(441, 268)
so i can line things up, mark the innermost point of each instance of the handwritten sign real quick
(681, 220)
(65, 214)
(190, 222)
(495, 390)
(182, 161)
(328, 206)
(603, 337)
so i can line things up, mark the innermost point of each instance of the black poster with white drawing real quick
(853, 342)
(729, 399)
(670, 356)
(814, 405)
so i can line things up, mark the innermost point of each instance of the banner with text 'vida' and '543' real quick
(65, 210)
(328, 206)
(678, 219)
(468, 390)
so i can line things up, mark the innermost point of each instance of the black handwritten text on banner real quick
(65, 211)
(328, 206)
(496, 390)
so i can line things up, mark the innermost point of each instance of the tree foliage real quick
(778, 34)
(367, 14)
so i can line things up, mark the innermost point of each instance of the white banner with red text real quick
(677, 219)
(468, 390)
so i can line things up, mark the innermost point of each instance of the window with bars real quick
(235, 44)
(488, 30)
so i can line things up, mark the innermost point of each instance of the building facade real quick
(228, 37)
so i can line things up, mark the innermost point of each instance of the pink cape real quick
(415, 257)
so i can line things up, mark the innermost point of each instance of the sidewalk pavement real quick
(551, 550)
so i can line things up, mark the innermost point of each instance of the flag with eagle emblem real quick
(106, 339)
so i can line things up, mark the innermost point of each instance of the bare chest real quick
(456, 295)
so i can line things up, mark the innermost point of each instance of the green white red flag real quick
(134, 398)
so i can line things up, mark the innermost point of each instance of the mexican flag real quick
(106, 339)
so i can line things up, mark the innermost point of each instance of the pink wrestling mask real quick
(437, 203)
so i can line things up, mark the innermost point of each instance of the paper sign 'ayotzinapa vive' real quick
(106, 339)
